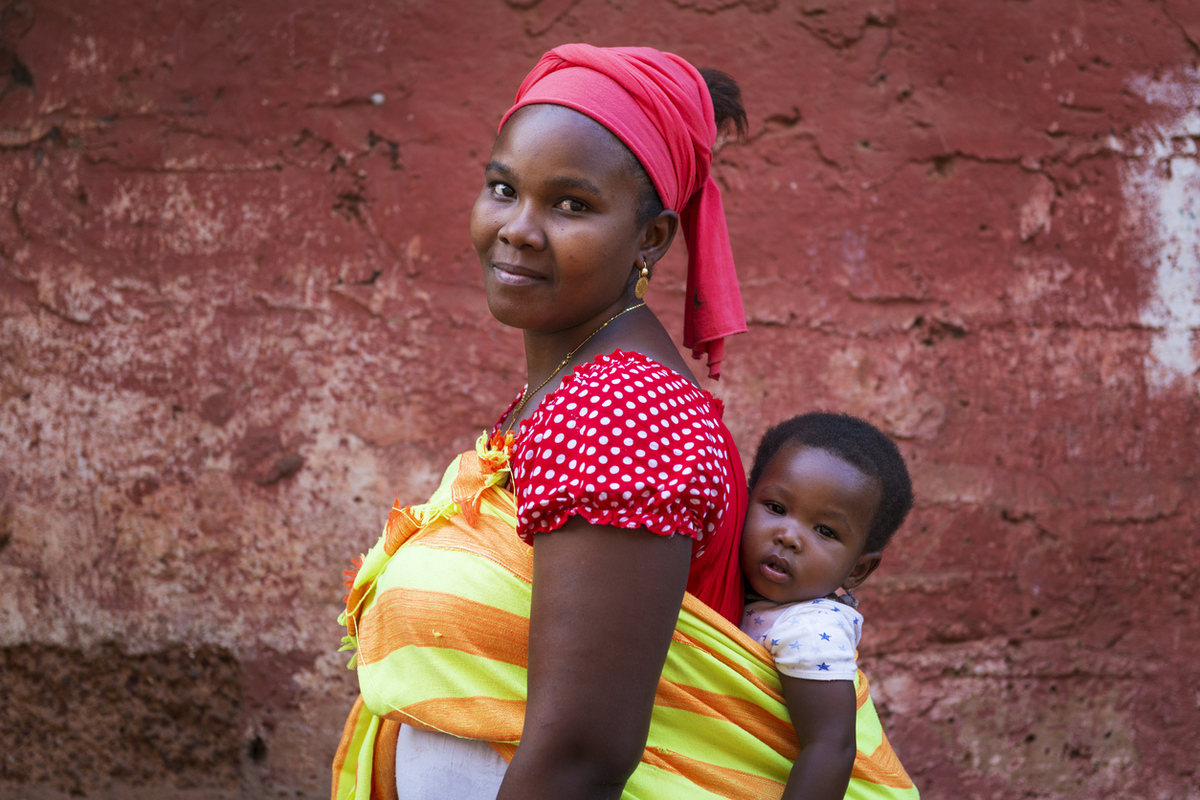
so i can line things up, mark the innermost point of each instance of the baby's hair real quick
(728, 112)
(859, 443)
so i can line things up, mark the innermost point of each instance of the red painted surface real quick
(239, 312)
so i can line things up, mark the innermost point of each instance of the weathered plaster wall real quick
(239, 312)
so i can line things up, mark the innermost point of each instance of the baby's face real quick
(807, 525)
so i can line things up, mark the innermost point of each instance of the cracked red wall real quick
(239, 312)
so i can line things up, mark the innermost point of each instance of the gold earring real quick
(643, 281)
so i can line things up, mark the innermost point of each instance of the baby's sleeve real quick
(816, 641)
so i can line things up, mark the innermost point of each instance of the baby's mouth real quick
(776, 569)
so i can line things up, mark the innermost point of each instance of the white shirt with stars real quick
(814, 640)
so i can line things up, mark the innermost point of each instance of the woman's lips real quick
(511, 275)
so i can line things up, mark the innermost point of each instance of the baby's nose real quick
(787, 537)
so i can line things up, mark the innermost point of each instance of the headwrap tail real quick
(714, 301)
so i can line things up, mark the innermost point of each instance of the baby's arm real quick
(823, 714)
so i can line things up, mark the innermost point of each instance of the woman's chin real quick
(508, 310)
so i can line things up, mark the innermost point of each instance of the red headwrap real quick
(659, 106)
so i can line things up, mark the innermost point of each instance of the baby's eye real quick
(827, 532)
(572, 205)
(775, 508)
(502, 190)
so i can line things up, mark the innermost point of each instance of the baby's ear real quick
(865, 565)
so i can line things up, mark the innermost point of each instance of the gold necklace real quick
(525, 395)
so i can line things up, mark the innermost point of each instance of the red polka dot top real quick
(626, 442)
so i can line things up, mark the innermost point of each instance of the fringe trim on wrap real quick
(475, 474)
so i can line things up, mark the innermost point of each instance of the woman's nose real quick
(522, 228)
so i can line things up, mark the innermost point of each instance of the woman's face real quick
(556, 223)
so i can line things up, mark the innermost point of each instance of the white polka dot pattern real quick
(623, 441)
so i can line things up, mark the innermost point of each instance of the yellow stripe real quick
(445, 673)
(870, 729)
(718, 742)
(456, 572)
(503, 504)
(364, 766)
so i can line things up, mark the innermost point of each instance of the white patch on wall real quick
(1162, 183)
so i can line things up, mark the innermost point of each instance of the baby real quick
(827, 492)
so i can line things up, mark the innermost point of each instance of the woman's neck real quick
(561, 350)
(638, 330)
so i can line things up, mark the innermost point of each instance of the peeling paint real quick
(1165, 182)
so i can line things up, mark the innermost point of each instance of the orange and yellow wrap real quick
(442, 635)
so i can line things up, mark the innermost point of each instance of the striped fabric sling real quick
(454, 610)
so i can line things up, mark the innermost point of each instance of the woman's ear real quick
(658, 235)
(865, 565)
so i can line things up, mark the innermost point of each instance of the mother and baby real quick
(561, 619)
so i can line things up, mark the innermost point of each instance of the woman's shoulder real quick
(633, 380)
(626, 398)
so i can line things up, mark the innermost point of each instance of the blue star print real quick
(794, 645)
(823, 667)
(825, 637)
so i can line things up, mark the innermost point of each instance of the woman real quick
(612, 464)
(567, 224)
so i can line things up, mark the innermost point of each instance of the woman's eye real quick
(828, 533)
(502, 190)
(572, 205)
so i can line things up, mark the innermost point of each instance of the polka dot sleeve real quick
(625, 442)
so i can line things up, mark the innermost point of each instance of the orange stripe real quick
(400, 525)
(765, 726)
(404, 617)
(352, 601)
(489, 537)
(506, 750)
(882, 767)
(720, 781)
(383, 762)
(862, 693)
(467, 482)
(480, 717)
(504, 500)
(745, 673)
(339, 758)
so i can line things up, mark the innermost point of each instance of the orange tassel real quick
(351, 574)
